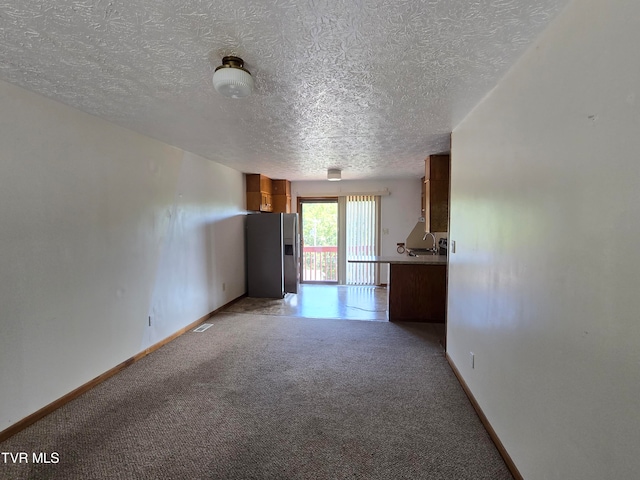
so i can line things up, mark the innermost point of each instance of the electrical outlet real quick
(453, 246)
(473, 359)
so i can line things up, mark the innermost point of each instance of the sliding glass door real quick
(319, 240)
(334, 230)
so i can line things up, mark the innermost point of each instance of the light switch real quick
(453, 246)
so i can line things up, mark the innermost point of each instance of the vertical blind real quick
(362, 238)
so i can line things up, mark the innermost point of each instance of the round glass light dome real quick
(231, 79)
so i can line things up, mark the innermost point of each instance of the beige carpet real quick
(265, 397)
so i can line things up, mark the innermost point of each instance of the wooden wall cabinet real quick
(281, 204)
(281, 187)
(266, 195)
(259, 188)
(422, 196)
(282, 196)
(436, 193)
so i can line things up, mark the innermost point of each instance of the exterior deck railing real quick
(320, 263)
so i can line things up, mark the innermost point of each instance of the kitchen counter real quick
(417, 289)
(403, 259)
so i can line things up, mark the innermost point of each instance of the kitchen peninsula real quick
(417, 289)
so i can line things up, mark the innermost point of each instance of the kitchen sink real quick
(420, 252)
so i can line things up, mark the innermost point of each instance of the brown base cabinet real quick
(417, 293)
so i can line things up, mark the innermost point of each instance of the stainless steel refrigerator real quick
(272, 254)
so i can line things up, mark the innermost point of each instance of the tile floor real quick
(322, 301)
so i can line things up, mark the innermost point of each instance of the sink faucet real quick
(435, 248)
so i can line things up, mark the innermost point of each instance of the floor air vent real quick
(203, 327)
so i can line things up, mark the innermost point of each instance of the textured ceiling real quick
(371, 87)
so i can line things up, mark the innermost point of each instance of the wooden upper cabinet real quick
(259, 189)
(422, 196)
(259, 202)
(436, 193)
(258, 183)
(281, 187)
(266, 195)
(282, 196)
(281, 203)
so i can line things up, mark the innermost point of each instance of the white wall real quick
(101, 227)
(545, 213)
(399, 211)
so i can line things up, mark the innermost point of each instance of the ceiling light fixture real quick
(231, 79)
(334, 174)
